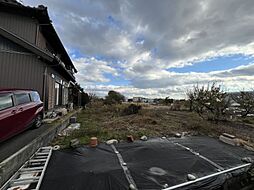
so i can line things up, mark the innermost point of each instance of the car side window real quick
(5, 101)
(22, 98)
(35, 96)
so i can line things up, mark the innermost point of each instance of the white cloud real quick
(93, 70)
(141, 39)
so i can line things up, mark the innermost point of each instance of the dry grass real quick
(107, 122)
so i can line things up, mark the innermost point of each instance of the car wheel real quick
(38, 121)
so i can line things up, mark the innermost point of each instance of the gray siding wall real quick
(19, 70)
(22, 26)
(8, 46)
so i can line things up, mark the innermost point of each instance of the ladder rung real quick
(25, 180)
(23, 183)
(37, 160)
(41, 153)
(40, 157)
(45, 148)
(31, 169)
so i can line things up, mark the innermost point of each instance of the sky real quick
(155, 48)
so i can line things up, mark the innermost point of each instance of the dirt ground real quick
(108, 122)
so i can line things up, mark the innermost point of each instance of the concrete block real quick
(10, 165)
(228, 135)
(50, 120)
(228, 140)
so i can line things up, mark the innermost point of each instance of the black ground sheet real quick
(153, 164)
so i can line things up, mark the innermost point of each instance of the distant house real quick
(32, 55)
(143, 100)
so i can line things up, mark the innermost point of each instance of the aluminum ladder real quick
(30, 175)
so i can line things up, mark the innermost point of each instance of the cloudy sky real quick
(156, 48)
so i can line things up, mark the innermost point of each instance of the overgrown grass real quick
(108, 122)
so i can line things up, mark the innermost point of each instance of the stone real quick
(111, 141)
(191, 177)
(132, 187)
(74, 126)
(143, 138)
(228, 140)
(178, 135)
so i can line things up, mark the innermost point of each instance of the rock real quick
(74, 126)
(74, 143)
(132, 187)
(165, 185)
(178, 135)
(111, 141)
(191, 177)
(130, 138)
(143, 138)
(164, 137)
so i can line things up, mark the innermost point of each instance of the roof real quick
(48, 30)
(14, 89)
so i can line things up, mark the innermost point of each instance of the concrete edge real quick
(10, 165)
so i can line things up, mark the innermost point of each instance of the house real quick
(32, 55)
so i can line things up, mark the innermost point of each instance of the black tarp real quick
(153, 164)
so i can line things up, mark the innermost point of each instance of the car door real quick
(8, 116)
(24, 109)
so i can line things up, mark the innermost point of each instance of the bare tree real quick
(210, 102)
(245, 101)
(92, 96)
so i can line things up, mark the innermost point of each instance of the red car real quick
(19, 109)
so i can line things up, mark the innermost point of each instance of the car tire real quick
(38, 121)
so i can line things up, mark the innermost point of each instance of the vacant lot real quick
(108, 121)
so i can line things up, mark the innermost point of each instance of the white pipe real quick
(206, 177)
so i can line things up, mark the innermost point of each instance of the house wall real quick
(22, 26)
(52, 77)
(19, 70)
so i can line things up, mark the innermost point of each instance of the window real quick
(5, 101)
(35, 96)
(22, 98)
(57, 94)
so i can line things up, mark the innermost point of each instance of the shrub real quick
(114, 97)
(132, 109)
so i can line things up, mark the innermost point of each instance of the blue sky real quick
(216, 64)
(156, 48)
